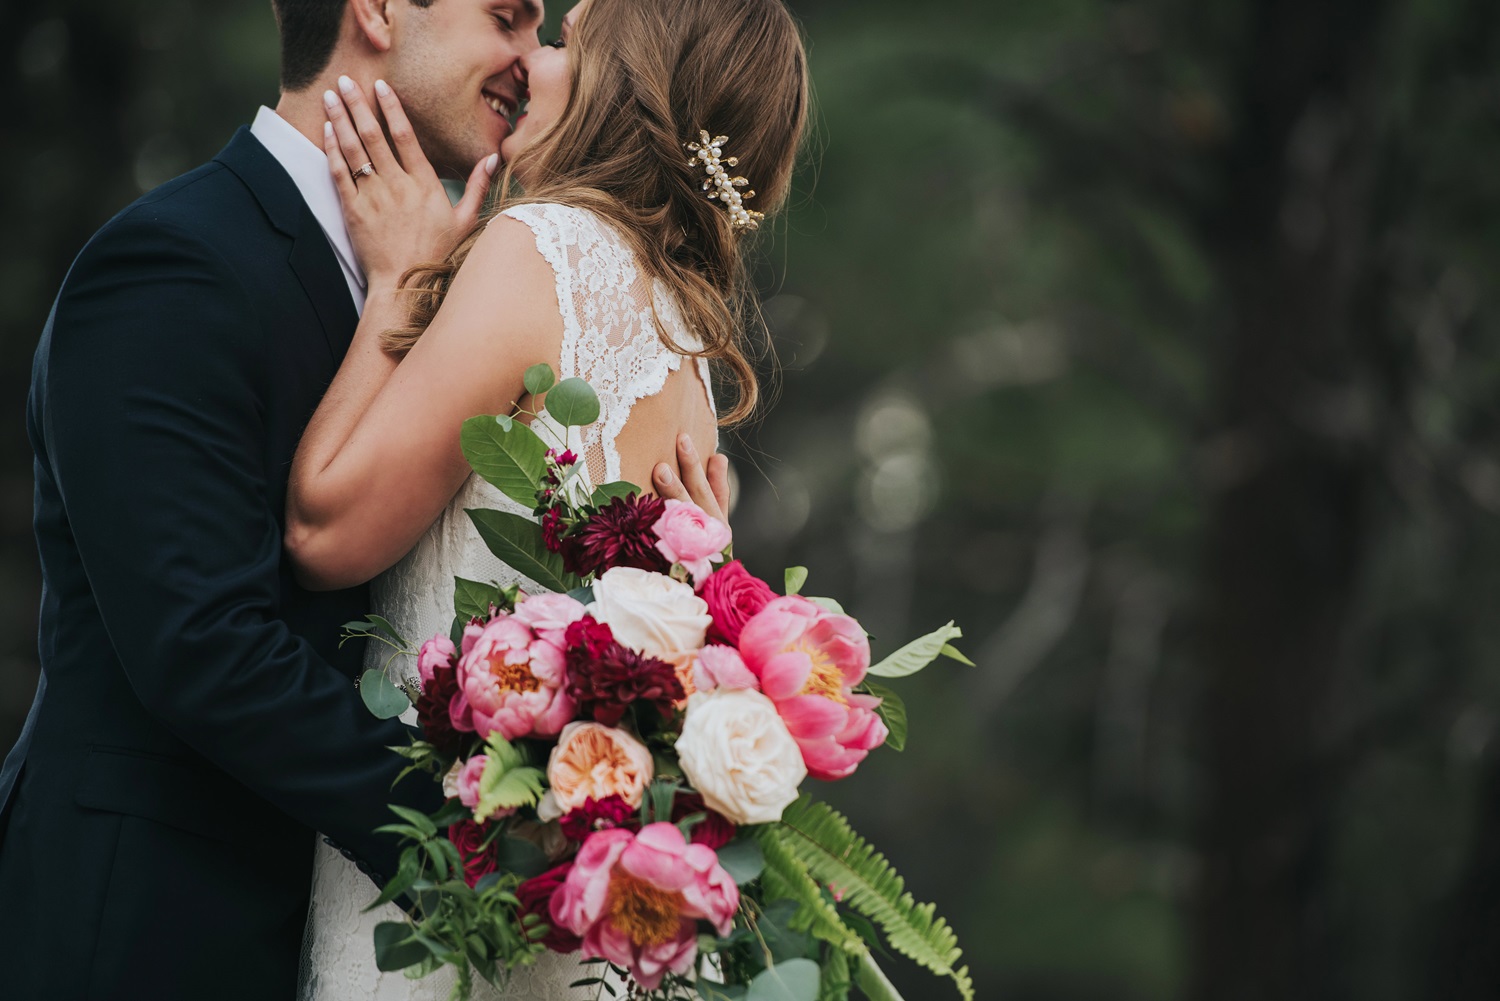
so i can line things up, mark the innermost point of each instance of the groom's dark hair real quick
(309, 32)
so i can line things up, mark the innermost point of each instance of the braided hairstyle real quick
(646, 77)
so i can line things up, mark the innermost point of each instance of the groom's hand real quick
(703, 483)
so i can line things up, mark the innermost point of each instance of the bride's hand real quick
(394, 204)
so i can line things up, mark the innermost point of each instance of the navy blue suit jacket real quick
(196, 721)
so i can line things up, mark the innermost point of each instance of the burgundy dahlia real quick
(433, 714)
(536, 898)
(604, 678)
(598, 815)
(618, 535)
(714, 830)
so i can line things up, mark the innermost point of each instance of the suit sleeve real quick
(155, 425)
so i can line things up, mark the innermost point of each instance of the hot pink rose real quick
(808, 660)
(634, 899)
(513, 681)
(686, 534)
(468, 780)
(718, 666)
(436, 654)
(733, 595)
(549, 615)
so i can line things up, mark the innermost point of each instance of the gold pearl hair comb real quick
(709, 154)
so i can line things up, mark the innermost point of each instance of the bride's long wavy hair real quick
(646, 77)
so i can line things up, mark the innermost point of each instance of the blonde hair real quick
(646, 77)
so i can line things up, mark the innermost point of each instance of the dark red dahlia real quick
(468, 838)
(433, 714)
(714, 830)
(604, 678)
(618, 535)
(599, 815)
(536, 898)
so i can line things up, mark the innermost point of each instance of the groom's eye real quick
(558, 43)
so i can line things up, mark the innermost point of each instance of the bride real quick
(622, 265)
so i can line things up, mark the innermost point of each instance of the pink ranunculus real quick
(717, 666)
(468, 780)
(733, 596)
(549, 615)
(513, 682)
(635, 899)
(808, 661)
(436, 654)
(686, 534)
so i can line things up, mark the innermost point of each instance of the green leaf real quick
(506, 780)
(407, 871)
(582, 595)
(539, 378)
(516, 855)
(396, 948)
(472, 599)
(820, 839)
(517, 542)
(892, 712)
(829, 605)
(786, 878)
(950, 652)
(573, 403)
(835, 984)
(743, 859)
(775, 927)
(506, 422)
(512, 460)
(603, 495)
(384, 698)
(793, 980)
(415, 818)
(917, 654)
(795, 578)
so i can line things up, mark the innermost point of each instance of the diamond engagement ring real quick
(366, 170)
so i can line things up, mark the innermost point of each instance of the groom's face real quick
(452, 63)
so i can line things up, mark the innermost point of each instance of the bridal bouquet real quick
(624, 755)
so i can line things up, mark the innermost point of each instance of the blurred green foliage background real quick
(1154, 341)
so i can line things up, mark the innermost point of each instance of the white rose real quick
(736, 751)
(650, 612)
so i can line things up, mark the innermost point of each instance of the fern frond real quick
(786, 878)
(829, 852)
(834, 983)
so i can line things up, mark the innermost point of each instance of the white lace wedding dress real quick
(609, 339)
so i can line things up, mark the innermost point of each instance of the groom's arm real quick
(155, 424)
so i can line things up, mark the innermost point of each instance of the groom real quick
(196, 720)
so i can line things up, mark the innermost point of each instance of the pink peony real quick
(635, 898)
(436, 654)
(513, 681)
(808, 660)
(733, 595)
(468, 780)
(686, 534)
(549, 615)
(721, 667)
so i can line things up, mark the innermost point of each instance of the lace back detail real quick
(610, 336)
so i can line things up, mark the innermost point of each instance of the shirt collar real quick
(308, 166)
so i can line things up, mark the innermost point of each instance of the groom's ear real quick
(373, 18)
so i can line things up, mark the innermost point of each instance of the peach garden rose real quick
(594, 761)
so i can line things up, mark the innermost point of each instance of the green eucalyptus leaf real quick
(892, 712)
(389, 629)
(384, 698)
(517, 542)
(512, 460)
(792, 980)
(743, 859)
(506, 422)
(582, 595)
(539, 378)
(917, 654)
(573, 403)
(795, 578)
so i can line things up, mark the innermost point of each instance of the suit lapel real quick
(311, 259)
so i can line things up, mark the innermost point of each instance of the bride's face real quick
(548, 87)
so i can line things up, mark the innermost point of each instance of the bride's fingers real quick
(718, 480)
(694, 486)
(408, 150)
(371, 136)
(343, 131)
(338, 166)
(466, 212)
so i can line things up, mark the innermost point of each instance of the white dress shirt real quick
(308, 165)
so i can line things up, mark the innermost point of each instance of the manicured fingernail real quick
(491, 163)
(382, 88)
(330, 99)
(663, 474)
(346, 85)
(327, 130)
